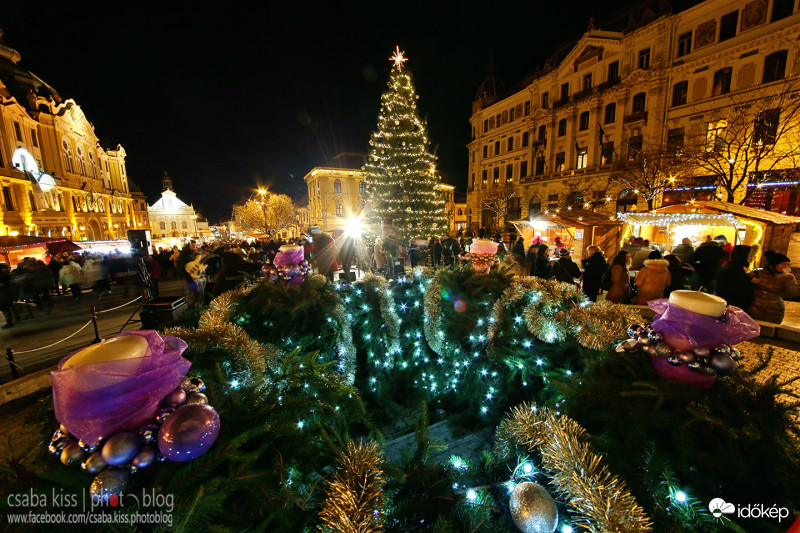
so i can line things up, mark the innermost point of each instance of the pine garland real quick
(433, 314)
(355, 493)
(600, 500)
(547, 311)
(390, 330)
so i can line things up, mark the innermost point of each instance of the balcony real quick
(635, 117)
(560, 103)
(580, 95)
(608, 84)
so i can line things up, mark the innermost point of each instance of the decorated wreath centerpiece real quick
(483, 254)
(291, 265)
(692, 337)
(126, 403)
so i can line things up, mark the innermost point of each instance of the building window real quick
(485, 151)
(173, 226)
(485, 125)
(510, 143)
(68, 164)
(583, 158)
(534, 206)
(542, 133)
(626, 201)
(81, 161)
(613, 71)
(496, 175)
(362, 186)
(562, 127)
(496, 147)
(523, 169)
(525, 139)
(583, 121)
(782, 9)
(8, 198)
(184, 225)
(715, 137)
(511, 115)
(587, 81)
(727, 26)
(93, 164)
(162, 225)
(644, 59)
(610, 114)
(337, 187)
(473, 180)
(675, 140)
(509, 172)
(527, 108)
(35, 137)
(539, 165)
(765, 129)
(634, 147)
(545, 100)
(484, 178)
(564, 91)
(775, 66)
(722, 81)
(18, 131)
(607, 153)
(680, 91)
(339, 209)
(684, 44)
(561, 159)
(639, 101)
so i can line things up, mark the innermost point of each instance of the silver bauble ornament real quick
(736, 355)
(175, 398)
(633, 331)
(121, 448)
(162, 414)
(722, 363)
(702, 352)
(94, 463)
(533, 509)
(196, 397)
(663, 349)
(722, 348)
(108, 483)
(193, 385)
(655, 336)
(620, 348)
(674, 360)
(630, 345)
(686, 357)
(644, 340)
(72, 454)
(650, 350)
(149, 433)
(59, 442)
(145, 457)
(695, 365)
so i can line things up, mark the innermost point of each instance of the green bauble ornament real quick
(533, 509)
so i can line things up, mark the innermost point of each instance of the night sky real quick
(236, 96)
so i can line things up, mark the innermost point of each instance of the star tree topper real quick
(398, 58)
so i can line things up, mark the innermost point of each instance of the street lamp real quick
(264, 194)
(194, 217)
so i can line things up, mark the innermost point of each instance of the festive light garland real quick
(601, 325)
(433, 313)
(599, 500)
(355, 492)
(671, 219)
(391, 322)
(547, 311)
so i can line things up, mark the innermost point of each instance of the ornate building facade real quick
(171, 217)
(56, 178)
(664, 82)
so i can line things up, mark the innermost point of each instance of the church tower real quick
(166, 182)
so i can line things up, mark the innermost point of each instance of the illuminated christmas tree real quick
(402, 189)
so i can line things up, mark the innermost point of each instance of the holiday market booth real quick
(667, 226)
(576, 228)
(16, 248)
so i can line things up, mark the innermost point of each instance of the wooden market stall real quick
(577, 228)
(697, 220)
(14, 249)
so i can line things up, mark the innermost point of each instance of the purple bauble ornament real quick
(145, 457)
(722, 363)
(189, 432)
(175, 398)
(120, 448)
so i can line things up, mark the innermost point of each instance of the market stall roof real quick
(567, 217)
(54, 246)
(672, 219)
(749, 212)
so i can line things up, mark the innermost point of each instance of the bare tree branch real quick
(270, 217)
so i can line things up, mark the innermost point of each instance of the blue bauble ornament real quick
(121, 448)
(94, 463)
(145, 457)
(109, 483)
(189, 432)
(722, 363)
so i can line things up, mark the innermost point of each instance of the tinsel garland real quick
(547, 311)
(599, 500)
(344, 344)
(433, 313)
(515, 292)
(390, 320)
(355, 492)
(601, 325)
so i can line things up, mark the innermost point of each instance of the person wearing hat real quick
(733, 283)
(565, 268)
(771, 285)
(653, 278)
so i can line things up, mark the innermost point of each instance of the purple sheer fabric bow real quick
(701, 331)
(285, 258)
(92, 401)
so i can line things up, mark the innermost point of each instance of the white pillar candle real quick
(699, 302)
(114, 349)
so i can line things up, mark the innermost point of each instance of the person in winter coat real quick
(518, 250)
(379, 255)
(324, 253)
(733, 283)
(772, 284)
(680, 274)
(71, 276)
(684, 251)
(620, 291)
(594, 267)
(233, 272)
(706, 262)
(565, 268)
(653, 279)
(642, 255)
(541, 263)
(6, 296)
(436, 252)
